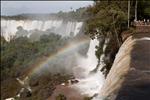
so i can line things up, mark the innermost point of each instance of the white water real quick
(64, 28)
(102, 64)
(89, 83)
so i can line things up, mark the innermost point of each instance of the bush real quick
(61, 97)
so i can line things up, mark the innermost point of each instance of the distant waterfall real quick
(64, 28)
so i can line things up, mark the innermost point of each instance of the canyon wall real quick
(129, 77)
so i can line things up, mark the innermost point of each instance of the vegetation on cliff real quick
(21, 54)
(108, 19)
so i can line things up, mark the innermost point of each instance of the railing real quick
(141, 23)
(142, 26)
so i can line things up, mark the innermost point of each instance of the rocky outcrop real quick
(129, 77)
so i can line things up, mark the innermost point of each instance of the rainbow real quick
(67, 48)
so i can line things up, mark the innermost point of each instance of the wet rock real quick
(26, 94)
(34, 83)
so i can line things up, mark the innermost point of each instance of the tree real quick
(107, 21)
(143, 9)
(136, 2)
(110, 19)
(128, 13)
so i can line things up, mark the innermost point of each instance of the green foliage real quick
(61, 97)
(99, 49)
(106, 19)
(111, 16)
(147, 11)
(143, 9)
(20, 52)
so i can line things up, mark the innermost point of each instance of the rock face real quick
(129, 77)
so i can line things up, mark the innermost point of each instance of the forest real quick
(20, 54)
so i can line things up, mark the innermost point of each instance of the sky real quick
(19, 7)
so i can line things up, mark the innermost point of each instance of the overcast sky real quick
(19, 7)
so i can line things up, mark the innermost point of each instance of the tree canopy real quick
(111, 16)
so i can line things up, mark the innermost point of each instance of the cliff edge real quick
(129, 77)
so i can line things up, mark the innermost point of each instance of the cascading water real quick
(62, 27)
(89, 83)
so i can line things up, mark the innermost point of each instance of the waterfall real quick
(89, 83)
(61, 27)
